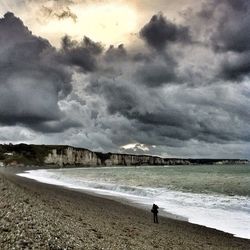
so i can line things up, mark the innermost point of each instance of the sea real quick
(215, 196)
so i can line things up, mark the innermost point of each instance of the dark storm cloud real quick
(170, 96)
(236, 68)
(145, 90)
(233, 33)
(226, 24)
(31, 79)
(157, 71)
(229, 33)
(240, 5)
(176, 114)
(115, 54)
(121, 99)
(159, 32)
(82, 55)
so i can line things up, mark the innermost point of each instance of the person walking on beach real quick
(154, 210)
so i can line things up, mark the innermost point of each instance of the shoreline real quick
(227, 220)
(93, 222)
(122, 200)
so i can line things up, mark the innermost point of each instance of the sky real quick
(167, 78)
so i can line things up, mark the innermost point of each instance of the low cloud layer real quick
(228, 22)
(159, 32)
(185, 92)
(81, 55)
(32, 80)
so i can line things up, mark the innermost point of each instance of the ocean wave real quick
(227, 213)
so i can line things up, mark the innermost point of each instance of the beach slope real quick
(40, 216)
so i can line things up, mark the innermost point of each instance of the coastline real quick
(43, 216)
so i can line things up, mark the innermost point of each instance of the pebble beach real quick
(40, 216)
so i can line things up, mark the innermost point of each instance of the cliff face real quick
(84, 157)
(71, 156)
(60, 155)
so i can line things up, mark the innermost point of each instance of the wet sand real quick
(40, 216)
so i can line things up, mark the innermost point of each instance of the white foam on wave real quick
(226, 213)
